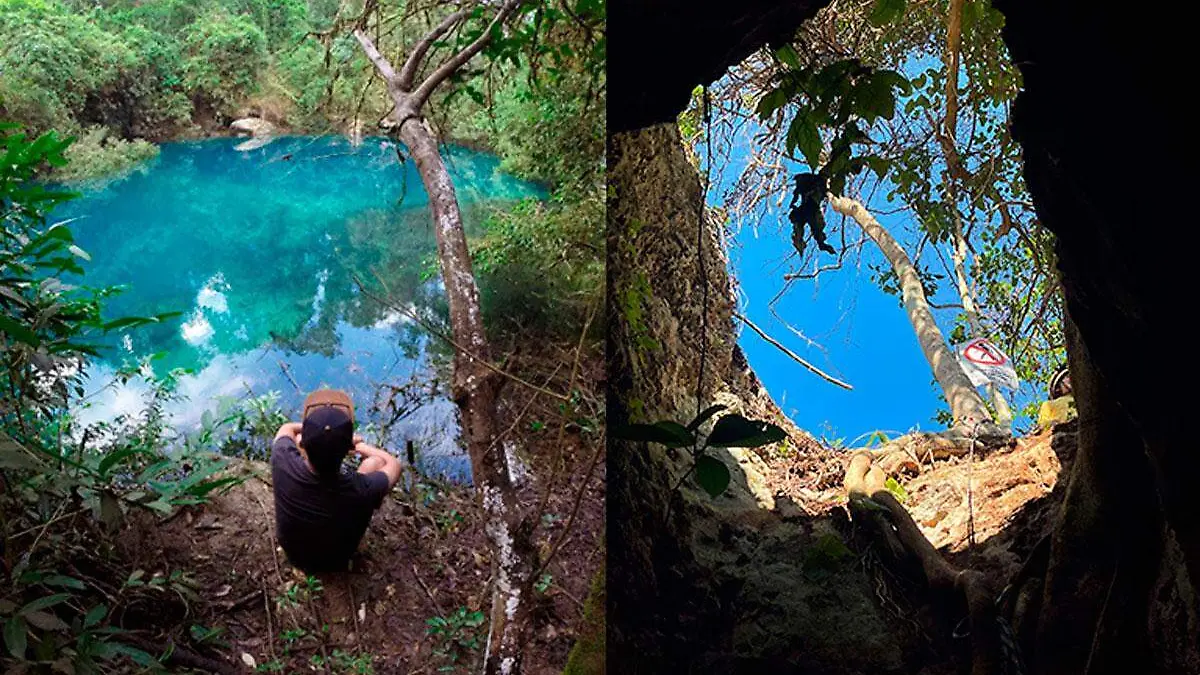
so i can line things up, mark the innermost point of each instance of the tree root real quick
(952, 590)
(911, 452)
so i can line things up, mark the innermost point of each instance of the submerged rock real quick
(254, 143)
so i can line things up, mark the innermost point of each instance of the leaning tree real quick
(476, 380)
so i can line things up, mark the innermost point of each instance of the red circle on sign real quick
(983, 353)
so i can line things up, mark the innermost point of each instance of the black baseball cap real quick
(327, 429)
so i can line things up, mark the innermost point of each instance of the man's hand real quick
(290, 430)
(375, 459)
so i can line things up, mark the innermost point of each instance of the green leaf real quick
(893, 486)
(18, 332)
(154, 470)
(668, 433)
(161, 505)
(15, 636)
(703, 416)
(47, 621)
(64, 581)
(873, 98)
(770, 102)
(788, 56)
(877, 164)
(95, 615)
(112, 458)
(802, 133)
(43, 603)
(204, 488)
(136, 655)
(712, 475)
(886, 11)
(735, 431)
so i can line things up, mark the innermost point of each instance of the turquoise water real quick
(259, 250)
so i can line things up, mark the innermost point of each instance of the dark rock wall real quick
(664, 48)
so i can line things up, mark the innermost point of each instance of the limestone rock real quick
(255, 126)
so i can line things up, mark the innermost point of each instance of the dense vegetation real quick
(118, 74)
(65, 489)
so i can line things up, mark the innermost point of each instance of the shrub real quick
(224, 55)
(66, 490)
(97, 154)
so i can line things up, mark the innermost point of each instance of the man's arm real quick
(389, 465)
(290, 430)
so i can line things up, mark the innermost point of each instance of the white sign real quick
(984, 363)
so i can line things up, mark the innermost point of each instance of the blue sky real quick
(866, 338)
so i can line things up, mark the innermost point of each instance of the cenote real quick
(262, 251)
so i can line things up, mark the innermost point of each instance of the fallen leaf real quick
(223, 591)
(249, 660)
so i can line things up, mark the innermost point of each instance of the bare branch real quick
(822, 374)
(409, 70)
(379, 60)
(448, 68)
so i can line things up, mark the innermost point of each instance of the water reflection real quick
(263, 252)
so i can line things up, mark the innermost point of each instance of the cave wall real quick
(1094, 74)
(667, 47)
(702, 584)
(1128, 532)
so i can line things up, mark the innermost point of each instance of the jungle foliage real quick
(67, 600)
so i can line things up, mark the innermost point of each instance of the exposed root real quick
(910, 453)
(903, 545)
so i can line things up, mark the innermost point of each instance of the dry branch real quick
(822, 374)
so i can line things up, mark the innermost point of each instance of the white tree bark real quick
(509, 528)
(966, 405)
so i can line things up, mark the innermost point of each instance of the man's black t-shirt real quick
(320, 521)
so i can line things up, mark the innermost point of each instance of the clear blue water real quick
(259, 250)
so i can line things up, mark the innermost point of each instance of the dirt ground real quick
(986, 513)
(425, 555)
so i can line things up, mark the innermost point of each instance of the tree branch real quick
(409, 70)
(825, 376)
(379, 60)
(422, 93)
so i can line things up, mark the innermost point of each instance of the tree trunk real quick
(954, 171)
(959, 256)
(965, 403)
(508, 527)
(474, 389)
